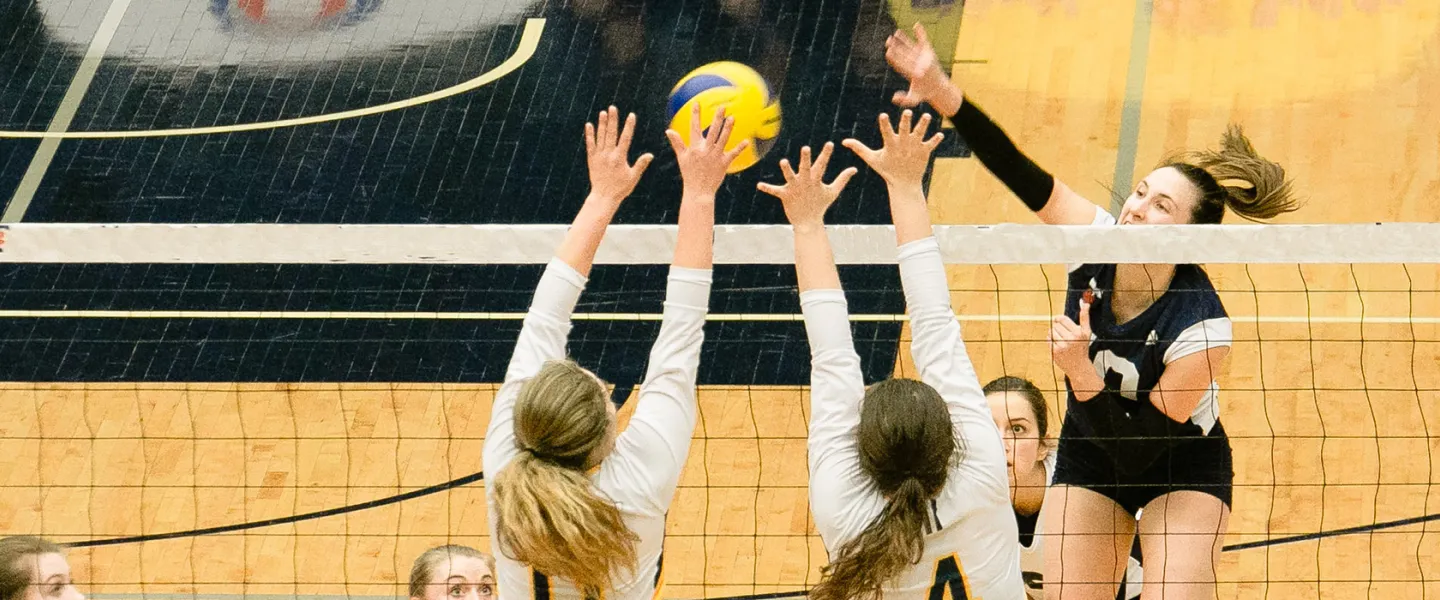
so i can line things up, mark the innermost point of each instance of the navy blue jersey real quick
(1131, 357)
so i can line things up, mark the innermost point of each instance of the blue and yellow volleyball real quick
(743, 93)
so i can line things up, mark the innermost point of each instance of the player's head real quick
(1023, 417)
(33, 568)
(1197, 187)
(907, 445)
(550, 516)
(453, 572)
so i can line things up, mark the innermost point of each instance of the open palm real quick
(916, 60)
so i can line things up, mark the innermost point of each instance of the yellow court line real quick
(519, 316)
(529, 41)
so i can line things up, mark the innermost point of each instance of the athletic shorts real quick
(1201, 464)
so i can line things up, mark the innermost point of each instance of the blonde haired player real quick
(577, 511)
(907, 479)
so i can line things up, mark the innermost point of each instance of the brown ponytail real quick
(1236, 177)
(906, 444)
(551, 517)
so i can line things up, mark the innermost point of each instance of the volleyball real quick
(743, 93)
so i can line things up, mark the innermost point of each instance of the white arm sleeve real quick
(940, 356)
(542, 339)
(842, 498)
(1102, 217)
(653, 449)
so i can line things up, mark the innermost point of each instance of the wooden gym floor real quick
(1343, 435)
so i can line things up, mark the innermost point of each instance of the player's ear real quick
(1047, 445)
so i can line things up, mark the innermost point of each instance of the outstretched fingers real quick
(920, 38)
(628, 133)
(887, 131)
(842, 180)
(922, 125)
(733, 154)
(676, 143)
(788, 172)
(695, 123)
(720, 136)
(641, 164)
(823, 160)
(934, 141)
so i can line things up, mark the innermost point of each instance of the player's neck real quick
(1137, 286)
(1030, 491)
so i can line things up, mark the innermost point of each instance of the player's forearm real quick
(1085, 383)
(814, 260)
(585, 234)
(1002, 158)
(695, 245)
(909, 213)
(1179, 405)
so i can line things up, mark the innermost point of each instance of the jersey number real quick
(948, 577)
(1119, 374)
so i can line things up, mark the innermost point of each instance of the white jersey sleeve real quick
(940, 356)
(644, 469)
(842, 498)
(542, 339)
(641, 474)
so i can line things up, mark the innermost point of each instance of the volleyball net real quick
(279, 411)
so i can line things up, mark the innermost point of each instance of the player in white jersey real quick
(907, 479)
(1140, 345)
(1023, 417)
(575, 510)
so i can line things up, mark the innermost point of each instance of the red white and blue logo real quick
(291, 15)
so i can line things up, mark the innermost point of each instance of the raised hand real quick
(612, 177)
(916, 60)
(805, 194)
(1070, 343)
(704, 161)
(905, 153)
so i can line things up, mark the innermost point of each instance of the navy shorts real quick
(1201, 464)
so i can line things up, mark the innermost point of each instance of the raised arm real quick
(1053, 201)
(547, 324)
(836, 386)
(936, 344)
(651, 452)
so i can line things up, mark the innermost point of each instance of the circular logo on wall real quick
(290, 16)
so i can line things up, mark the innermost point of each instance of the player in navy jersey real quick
(1140, 346)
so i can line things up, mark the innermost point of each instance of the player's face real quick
(461, 578)
(1164, 197)
(51, 574)
(1024, 450)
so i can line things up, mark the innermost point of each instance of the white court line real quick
(69, 104)
(519, 316)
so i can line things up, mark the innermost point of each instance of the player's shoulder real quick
(1193, 298)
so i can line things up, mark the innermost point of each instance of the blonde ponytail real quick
(551, 517)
